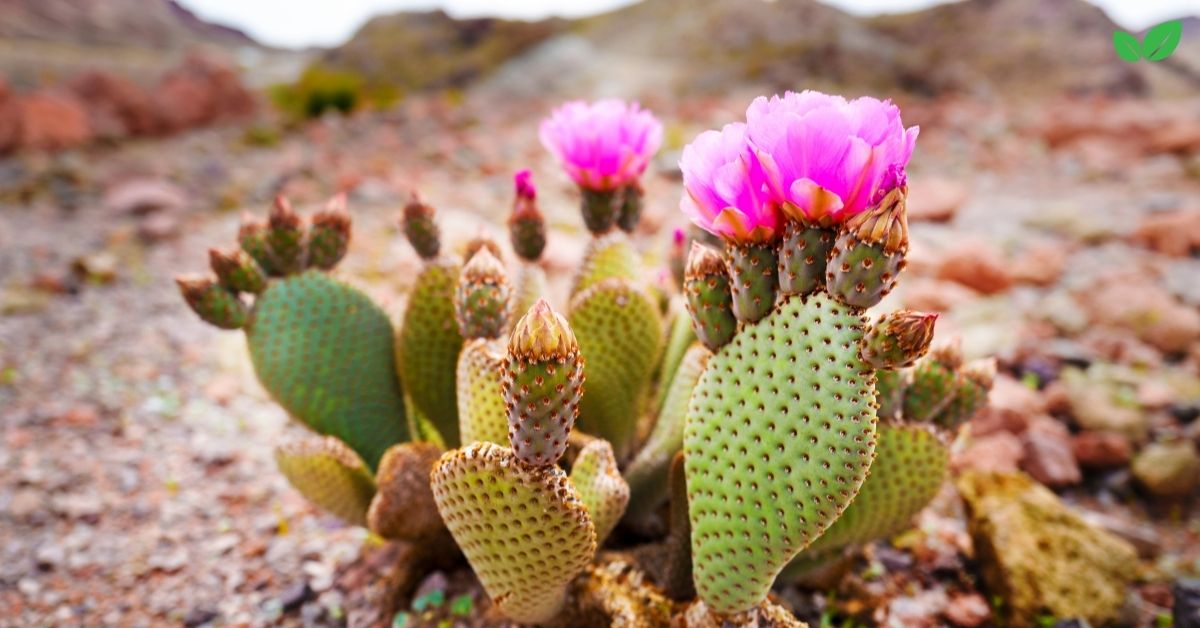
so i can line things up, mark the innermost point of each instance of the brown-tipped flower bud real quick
(481, 299)
(677, 256)
(868, 255)
(482, 241)
(237, 271)
(898, 339)
(543, 383)
(213, 302)
(526, 225)
(252, 237)
(886, 224)
(329, 236)
(285, 237)
(630, 211)
(420, 229)
(709, 298)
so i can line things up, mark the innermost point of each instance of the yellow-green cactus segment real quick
(647, 473)
(780, 434)
(600, 486)
(620, 336)
(910, 465)
(529, 285)
(427, 348)
(482, 416)
(611, 256)
(330, 475)
(321, 348)
(523, 529)
(680, 338)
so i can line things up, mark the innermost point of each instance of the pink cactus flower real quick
(603, 145)
(827, 158)
(523, 181)
(725, 187)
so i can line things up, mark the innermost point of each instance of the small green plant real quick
(1158, 44)
(319, 91)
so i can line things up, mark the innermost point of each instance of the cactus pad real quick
(930, 389)
(403, 506)
(481, 413)
(523, 529)
(529, 284)
(320, 348)
(780, 434)
(428, 345)
(620, 336)
(802, 257)
(607, 257)
(600, 486)
(329, 475)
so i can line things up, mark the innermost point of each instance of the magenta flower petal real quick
(725, 187)
(603, 145)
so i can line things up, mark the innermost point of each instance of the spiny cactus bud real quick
(869, 254)
(329, 236)
(803, 254)
(481, 299)
(252, 237)
(630, 211)
(709, 301)
(482, 240)
(677, 256)
(215, 303)
(898, 339)
(948, 354)
(285, 237)
(526, 225)
(599, 210)
(237, 271)
(420, 229)
(754, 278)
(543, 383)
(600, 485)
(934, 382)
(971, 388)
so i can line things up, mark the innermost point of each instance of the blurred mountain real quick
(156, 24)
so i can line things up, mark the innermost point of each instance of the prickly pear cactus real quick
(600, 486)
(329, 475)
(610, 256)
(318, 345)
(482, 416)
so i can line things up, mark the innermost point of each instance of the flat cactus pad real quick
(779, 437)
(482, 416)
(329, 475)
(322, 349)
(428, 345)
(600, 486)
(611, 256)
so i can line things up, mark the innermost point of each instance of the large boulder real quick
(1039, 557)
(117, 107)
(201, 91)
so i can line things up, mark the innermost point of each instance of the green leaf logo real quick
(1160, 42)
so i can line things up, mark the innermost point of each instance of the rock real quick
(1009, 394)
(977, 266)
(1168, 469)
(1094, 408)
(200, 616)
(919, 611)
(967, 610)
(117, 107)
(1039, 556)
(295, 596)
(144, 196)
(1146, 309)
(1040, 265)
(991, 420)
(100, 267)
(159, 227)
(932, 295)
(1144, 537)
(1186, 607)
(1047, 454)
(26, 503)
(1101, 450)
(935, 199)
(1176, 234)
(1000, 452)
(201, 91)
(48, 120)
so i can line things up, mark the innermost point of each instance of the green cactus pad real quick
(523, 529)
(482, 416)
(889, 392)
(403, 507)
(910, 465)
(428, 345)
(529, 285)
(620, 336)
(610, 256)
(802, 257)
(929, 391)
(779, 437)
(321, 348)
(969, 397)
(329, 475)
(600, 486)
(680, 337)
(647, 473)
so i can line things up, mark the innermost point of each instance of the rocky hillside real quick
(156, 24)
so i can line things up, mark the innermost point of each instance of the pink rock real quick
(1176, 234)
(977, 266)
(1047, 454)
(991, 420)
(1009, 394)
(1040, 265)
(967, 610)
(934, 199)
(50, 121)
(1101, 450)
(1000, 453)
(932, 295)
(1144, 308)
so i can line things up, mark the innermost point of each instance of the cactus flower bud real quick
(215, 303)
(285, 237)
(677, 256)
(709, 301)
(543, 383)
(630, 210)
(252, 237)
(481, 299)
(898, 339)
(237, 271)
(526, 225)
(599, 210)
(329, 236)
(869, 254)
(420, 229)
(482, 241)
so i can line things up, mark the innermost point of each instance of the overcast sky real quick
(323, 23)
